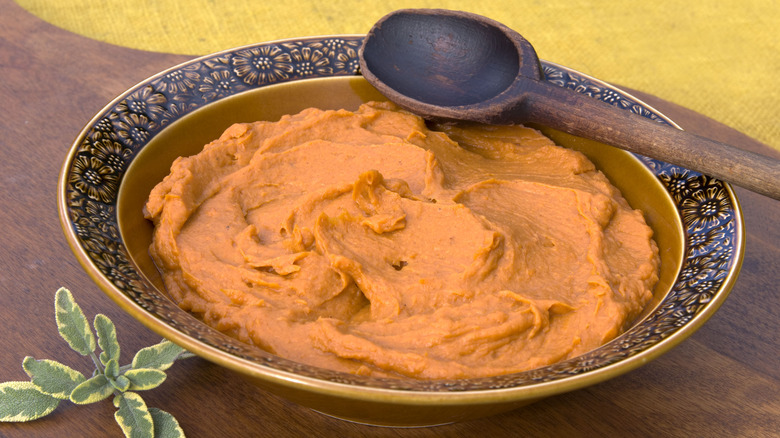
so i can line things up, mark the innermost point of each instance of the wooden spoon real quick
(456, 65)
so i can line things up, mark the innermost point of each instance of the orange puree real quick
(366, 242)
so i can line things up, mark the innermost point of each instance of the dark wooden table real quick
(723, 381)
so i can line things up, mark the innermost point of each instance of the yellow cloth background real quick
(720, 58)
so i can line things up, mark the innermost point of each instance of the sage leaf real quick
(51, 377)
(112, 369)
(165, 425)
(51, 381)
(133, 416)
(121, 383)
(93, 390)
(72, 324)
(107, 340)
(159, 356)
(144, 378)
(23, 401)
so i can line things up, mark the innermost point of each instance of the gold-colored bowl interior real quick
(189, 134)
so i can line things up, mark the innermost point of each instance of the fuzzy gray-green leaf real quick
(23, 401)
(144, 378)
(112, 369)
(159, 356)
(165, 425)
(93, 390)
(107, 340)
(51, 377)
(133, 416)
(121, 383)
(72, 324)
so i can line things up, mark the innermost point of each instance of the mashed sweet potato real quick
(368, 243)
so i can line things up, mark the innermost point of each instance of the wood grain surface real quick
(723, 381)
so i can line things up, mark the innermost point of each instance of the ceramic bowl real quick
(129, 145)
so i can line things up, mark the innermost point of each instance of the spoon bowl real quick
(454, 65)
(453, 62)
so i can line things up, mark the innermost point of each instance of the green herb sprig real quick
(51, 381)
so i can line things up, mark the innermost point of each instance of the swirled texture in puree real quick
(366, 242)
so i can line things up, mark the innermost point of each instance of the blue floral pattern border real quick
(103, 153)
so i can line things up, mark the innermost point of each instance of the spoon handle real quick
(558, 108)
